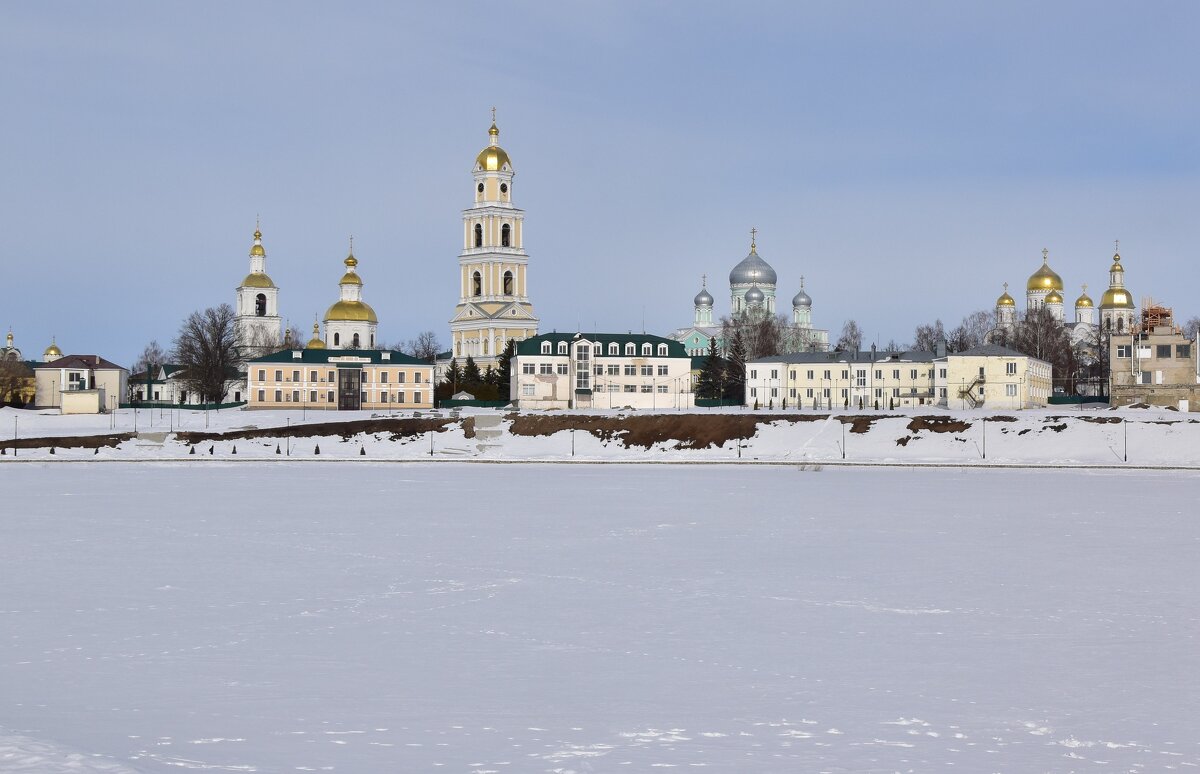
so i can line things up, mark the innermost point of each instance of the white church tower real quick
(1116, 305)
(350, 323)
(258, 323)
(493, 302)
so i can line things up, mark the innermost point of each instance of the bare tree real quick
(761, 335)
(15, 378)
(895, 346)
(206, 348)
(152, 356)
(971, 332)
(927, 337)
(424, 347)
(851, 338)
(1190, 326)
(259, 342)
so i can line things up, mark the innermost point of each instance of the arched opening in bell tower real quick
(508, 283)
(476, 284)
(506, 235)
(260, 305)
(478, 235)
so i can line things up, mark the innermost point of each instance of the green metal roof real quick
(533, 346)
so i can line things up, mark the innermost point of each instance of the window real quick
(562, 369)
(912, 374)
(1124, 350)
(505, 235)
(527, 390)
(278, 375)
(630, 350)
(942, 372)
(647, 350)
(262, 396)
(508, 282)
(312, 376)
(329, 396)
(337, 339)
(662, 388)
(1010, 390)
(400, 396)
(527, 368)
(262, 374)
(478, 237)
(895, 392)
(614, 349)
(583, 367)
(860, 379)
(775, 392)
(417, 397)
(614, 388)
(260, 305)
(295, 396)
(562, 347)
(545, 348)
(631, 370)
(647, 370)
(809, 392)
(774, 373)
(845, 374)
(1010, 369)
(546, 368)
(896, 373)
(383, 397)
(662, 370)
(279, 396)
(630, 388)
(613, 370)
(1183, 351)
(792, 393)
(878, 373)
(810, 376)
(1162, 351)
(662, 350)
(753, 373)
(383, 377)
(295, 376)
(878, 393)
(476, 284)
(827, 374)
(400, 377)
(792, 376)
(599, 370)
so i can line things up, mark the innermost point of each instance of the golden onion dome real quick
(1084, 300)
(351, 311)
(350, 278)
(1117, 264)
(493, 158)
(257, 279)
(1044, 278)
(315, 342)
(1005, 299)
(52, 351)
(1116, 298)
(1054, 297)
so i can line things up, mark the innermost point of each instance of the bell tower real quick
(493, 302)
(258, 323)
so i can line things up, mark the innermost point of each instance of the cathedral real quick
(493, 299)
(1044, 289)
(752, 286)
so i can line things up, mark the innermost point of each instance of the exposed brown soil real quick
(67, 442)
(690, 431)
(1057, 428)
(468, 426)
(862, 422)
(1102, 420)
(395, 428)
(938, 424)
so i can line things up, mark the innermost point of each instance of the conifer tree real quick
(711, 381)
(471, 373)
(454, 375)
(735, 370)
(504, 366)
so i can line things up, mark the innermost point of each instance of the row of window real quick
(328, 396)
(1161, 351)
(477, 282)
(860, 374)
(331, 376)
(528, 390)
(600, 370)
(631, 349)
(773, 392)
(505, 235)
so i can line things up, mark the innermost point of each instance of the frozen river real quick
(596, 618)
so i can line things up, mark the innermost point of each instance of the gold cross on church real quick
(753, 234)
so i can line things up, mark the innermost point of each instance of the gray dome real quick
(801, 299)
(755, 296)
(753, 270)
(703, 298)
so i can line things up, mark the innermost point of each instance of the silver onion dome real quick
(753, 270)
(801, 299)
(755, 296)
(703, 298)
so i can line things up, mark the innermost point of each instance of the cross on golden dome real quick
(1045, 255)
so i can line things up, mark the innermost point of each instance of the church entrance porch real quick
(349, 389)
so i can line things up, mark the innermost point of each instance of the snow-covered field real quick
(159, 617)
(1058, 436)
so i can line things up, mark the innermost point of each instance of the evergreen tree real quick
(471, 375)
(504, 366)
(454, 375)
(711, 381)
(735, 370)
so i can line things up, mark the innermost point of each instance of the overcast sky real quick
(906, 158)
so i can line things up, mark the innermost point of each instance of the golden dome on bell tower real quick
(1044, 278)
(493, 158)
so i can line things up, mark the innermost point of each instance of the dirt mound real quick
(1102, 420)
(935, 424)
(862, 423)
(396, 428)
(67, 442)
(689, 431)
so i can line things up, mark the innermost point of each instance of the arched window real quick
(647, 350)
(478, 235)
(476, 284)
(662, 350)
(505, 235)
(614, 349)
(354, 342)
(562, 347)
(458, 349)
(260, 305)
(372, 341)
(337, 339)
(545, 348)
(508, 282)
(1120, 325)
(630, 349)
(485, 346)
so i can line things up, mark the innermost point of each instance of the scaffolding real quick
(1154, 316)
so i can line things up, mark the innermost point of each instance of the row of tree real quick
(487, 384)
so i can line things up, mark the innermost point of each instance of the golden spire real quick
(351, 261)
(257, 249)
